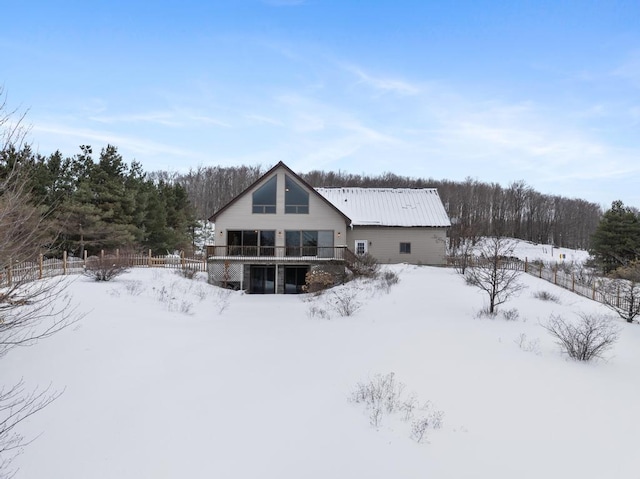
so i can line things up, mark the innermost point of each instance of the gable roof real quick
(389, 206)
(289, 171)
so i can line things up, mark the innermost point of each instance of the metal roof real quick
(389, 206)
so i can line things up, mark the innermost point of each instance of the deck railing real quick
(283, 253)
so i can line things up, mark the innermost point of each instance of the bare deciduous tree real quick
(624, 292)
(494, 273)
(29, 309)
(17, 404)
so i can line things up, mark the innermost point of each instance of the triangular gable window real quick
(264, 198)
(296, 198)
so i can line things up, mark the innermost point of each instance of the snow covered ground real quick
(547, 253)
(173, 378)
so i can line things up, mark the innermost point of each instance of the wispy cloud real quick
(263, 119)
(164, 118)
(383, 84)
(137, 145)
(160, 118)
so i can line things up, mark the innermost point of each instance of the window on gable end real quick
(264, 198)
(296, 198)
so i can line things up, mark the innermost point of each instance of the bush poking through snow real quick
(585, 340)
(221, 300)
(345, 302)
(510, 314)
(530, 346)
(316, 311)
(387, 279)
(420, 426)
(546, 296)
(169, 297)
(380, 394)
(105, 268)
(187, 272)
(134, 288)
(317, 281)
(384, 395)
(507, 315)
(364, 265)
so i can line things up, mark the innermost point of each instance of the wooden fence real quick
(43, 267)
(600, 290)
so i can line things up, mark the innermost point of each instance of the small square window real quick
(405, 248)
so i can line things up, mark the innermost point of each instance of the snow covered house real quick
(269, 236)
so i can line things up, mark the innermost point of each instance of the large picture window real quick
(264, 198)
(309, 243)
(296, 198)
(251, 242)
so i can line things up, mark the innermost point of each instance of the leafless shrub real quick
(383, 394)
(431, 420)
(387, 279)
(105, 268)
(134, 288)
(364, 265)
(200, 292)
(221, 300)
(375, 415)
(546, 296)
(173, 300)
(484, 313)
(408, 405)
(585, 340)
(345, 302)
(318, 280)
(185, 306)
(315, 311)
(419, 429)
(188, 272)
(510, 314)
(530, 346)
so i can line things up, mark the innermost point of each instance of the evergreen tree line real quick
(475, 208)
(93, 204)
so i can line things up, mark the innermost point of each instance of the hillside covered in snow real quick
(166, 377)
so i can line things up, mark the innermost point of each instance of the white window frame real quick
(364, 244)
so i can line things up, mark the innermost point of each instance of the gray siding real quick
(239, 216)
(428, 245)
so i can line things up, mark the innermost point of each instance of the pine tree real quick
(616, 241)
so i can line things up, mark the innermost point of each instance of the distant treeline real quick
(475, 208)
(105, 203)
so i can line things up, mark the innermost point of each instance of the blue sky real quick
(542, 91)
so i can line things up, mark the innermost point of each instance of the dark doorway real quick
(263, 280)
(294, 279)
